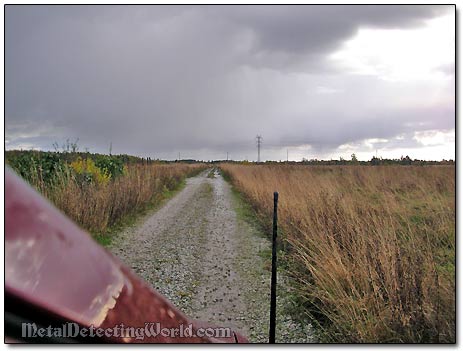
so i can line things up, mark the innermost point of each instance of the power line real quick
(259, 142)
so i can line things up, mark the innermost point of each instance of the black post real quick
(273, 291)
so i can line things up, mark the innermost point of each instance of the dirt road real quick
(210, 263)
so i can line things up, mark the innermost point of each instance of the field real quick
(371, 250)
(100, 192)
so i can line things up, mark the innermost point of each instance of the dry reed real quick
(97, 207)
(371, 249)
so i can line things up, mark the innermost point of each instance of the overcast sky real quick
(314, 81)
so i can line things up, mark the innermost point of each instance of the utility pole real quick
(287, 155)
(259, 142)
(227, 155)
(110, 148)
(179, 156)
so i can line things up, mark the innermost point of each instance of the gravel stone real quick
(196, 251)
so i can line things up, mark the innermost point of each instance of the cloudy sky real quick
(314, 81)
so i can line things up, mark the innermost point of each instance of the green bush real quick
(41, 165)
(109, 164)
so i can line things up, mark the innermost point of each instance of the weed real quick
(371, 249)
(101, 195)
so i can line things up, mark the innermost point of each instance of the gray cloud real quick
(203, 80)
(320, 29)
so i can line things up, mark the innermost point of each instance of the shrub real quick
(37, 166)
(98, 197)
(111, 165)
(88, 172)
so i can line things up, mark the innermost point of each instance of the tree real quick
(374, 161)
(405, 160)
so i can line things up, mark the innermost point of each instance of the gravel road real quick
(211, 264)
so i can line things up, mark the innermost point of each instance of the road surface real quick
(209, 262)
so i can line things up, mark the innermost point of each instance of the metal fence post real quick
(273, 291)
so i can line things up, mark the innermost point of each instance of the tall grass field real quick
(99, 191)
(370, 249)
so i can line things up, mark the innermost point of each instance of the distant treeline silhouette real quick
(375, 161)
(70, 156)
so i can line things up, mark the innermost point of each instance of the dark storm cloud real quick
(286, 27)
(156, 80)
(317, 30)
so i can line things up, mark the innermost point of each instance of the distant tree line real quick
(71, 156)
(114, 163)
(375, 161)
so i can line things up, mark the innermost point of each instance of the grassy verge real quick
(287, 294)
(135, 216)
(103, 195)
(371, 249)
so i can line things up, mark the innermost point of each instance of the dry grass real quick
(372, 249)
(97, 207)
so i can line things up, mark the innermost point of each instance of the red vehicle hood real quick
(53, 265)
